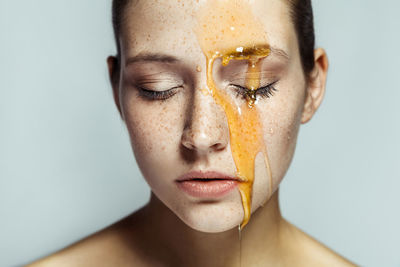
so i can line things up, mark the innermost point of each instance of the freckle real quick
(198, 68)
(271, 131)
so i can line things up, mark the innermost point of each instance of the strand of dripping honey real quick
(244, 122)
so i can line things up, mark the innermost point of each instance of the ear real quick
(316, 85)
(113, 72)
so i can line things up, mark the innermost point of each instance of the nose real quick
(206, 129)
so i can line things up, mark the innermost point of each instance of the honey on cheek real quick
(227, 30)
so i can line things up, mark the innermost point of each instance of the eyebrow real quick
(279, 52)
(151, 57)
(163, 58)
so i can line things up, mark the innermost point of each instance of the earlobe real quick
(316, 85)
(112, 63)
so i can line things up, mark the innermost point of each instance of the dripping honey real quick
(232, 33)
(244, 123)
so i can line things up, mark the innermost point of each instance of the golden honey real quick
(227, 30)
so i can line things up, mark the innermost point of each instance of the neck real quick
(176, 243)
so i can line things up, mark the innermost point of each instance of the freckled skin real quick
(229, 32)
(196, 115)
(190, 131)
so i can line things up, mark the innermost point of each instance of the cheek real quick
(153, 137)
(281, 121)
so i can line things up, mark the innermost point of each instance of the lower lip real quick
(207, 189)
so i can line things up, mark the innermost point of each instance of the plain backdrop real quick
(66, 166)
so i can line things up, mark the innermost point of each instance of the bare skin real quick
(174, 229)
(154, 236)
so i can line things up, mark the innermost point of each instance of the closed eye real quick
(265, 91)
(157, 95)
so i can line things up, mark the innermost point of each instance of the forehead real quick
(169, 26)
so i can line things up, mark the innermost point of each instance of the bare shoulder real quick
(112, 246)
(312, 252)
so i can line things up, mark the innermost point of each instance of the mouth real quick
(209, 185)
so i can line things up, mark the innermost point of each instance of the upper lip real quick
(205, 175)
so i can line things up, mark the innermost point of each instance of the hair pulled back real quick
(302, 19)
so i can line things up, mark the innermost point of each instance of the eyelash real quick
(265, 91)
(157, 95)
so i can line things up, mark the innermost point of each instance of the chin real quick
(213, 218)
(213, 226)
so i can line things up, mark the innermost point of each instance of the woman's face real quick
(175, 125)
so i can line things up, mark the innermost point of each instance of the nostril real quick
(218, 146)
(188, 144)
(187, 139)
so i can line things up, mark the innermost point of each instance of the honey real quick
(227, 30)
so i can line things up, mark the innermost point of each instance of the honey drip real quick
(240, 246)
(228, 31)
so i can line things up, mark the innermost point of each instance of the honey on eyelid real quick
(227, 30)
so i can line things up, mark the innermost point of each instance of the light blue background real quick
(66, 168)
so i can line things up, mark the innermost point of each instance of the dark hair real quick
(302, 17)
(118, 7)
(303, 20)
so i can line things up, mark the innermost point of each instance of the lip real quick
(209, 184)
